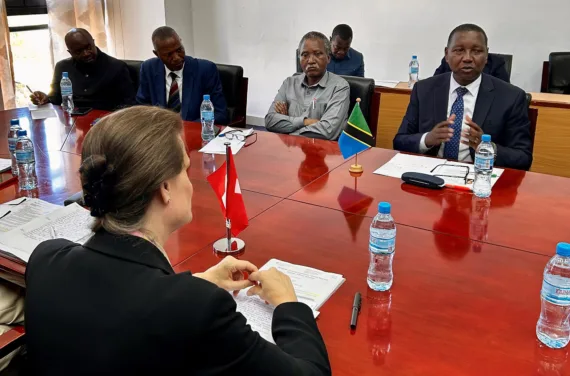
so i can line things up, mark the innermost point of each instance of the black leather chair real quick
(362, 88)
(559, 72)
(508, 62)
(299, 69)
(232, 85)
(135, 72)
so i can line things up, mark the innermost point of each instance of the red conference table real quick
(458, 306)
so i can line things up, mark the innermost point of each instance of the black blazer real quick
(501, 110)
(495, 67)
(115, 307)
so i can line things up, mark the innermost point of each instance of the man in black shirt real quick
(99, 80)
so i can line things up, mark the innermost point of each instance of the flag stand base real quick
(355, 169)
(221, 247)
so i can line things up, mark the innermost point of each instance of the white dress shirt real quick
(469, 100)
(169, 82)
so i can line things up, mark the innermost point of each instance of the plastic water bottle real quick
(553, 328)
(66, 93)
(414, 72)
(26, 162)
(484, 160)
(207, 115)
(12, 138)
(382, 247)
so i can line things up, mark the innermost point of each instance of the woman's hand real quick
(272, 286)
(228, 274)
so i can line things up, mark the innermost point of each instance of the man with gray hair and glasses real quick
(315, 103)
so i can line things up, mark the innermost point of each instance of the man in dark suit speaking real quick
(178, 82)
(449, 113)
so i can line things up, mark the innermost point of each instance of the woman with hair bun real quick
(115, 306)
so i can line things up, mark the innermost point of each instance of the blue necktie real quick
(451, 150)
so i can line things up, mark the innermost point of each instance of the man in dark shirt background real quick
(99, 80)
(344, 59)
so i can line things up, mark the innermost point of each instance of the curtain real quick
(8, 99)
(100, 17)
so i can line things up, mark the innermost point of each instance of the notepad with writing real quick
(312, 286)
(25, 223)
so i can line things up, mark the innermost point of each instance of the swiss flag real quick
(219, 181)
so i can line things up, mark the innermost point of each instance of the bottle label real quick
(414, 70)
(379, 245)
(24, 156)
(484, 163)
(66, 90)
(555, 294)
(12, 144)
(207, 116)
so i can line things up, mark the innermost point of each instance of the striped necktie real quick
(174, 95)
(451, 149)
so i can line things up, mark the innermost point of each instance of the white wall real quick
(139, 18)
(262, 35)
(179, 17)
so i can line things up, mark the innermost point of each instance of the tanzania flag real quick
(356, 137)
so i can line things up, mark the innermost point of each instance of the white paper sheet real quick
(42, 112)
(258, 314)
(5, 164)
(216, 146)
(387, 83)
(312, 286)
(71, 222)
(402, 163)
(28, 210)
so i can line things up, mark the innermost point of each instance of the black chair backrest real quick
(231, 77)
(362, 88)
(299, 69)
(135, 72)
(508, 62)
(559, 72)
(533, 117)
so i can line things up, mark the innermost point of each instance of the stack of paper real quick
(387, 83)
(25, 223)
(451, 172)
(216, 146)
(42, 112)
(312, 286)
(5, 164)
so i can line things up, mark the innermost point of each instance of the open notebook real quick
(26, 222)
(312, 286)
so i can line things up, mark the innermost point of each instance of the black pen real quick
(355, 310)
(5, 214)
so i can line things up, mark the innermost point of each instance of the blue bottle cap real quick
(64, 75)
(206, 97)
(486, 138)
(22, 132)
(384, 208)
(15, 122)
(415, 57)
(563, 249)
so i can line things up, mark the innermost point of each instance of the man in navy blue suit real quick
(179, 82)
(449, 113)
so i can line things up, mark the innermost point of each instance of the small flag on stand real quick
(356, 136)
(225, 183)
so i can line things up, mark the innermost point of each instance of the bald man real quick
(179, 82)
(99, 80)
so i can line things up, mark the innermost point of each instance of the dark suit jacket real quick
(104, 85)
(199, 77)
(567, 91)
(500, 110)
(495, 67)
(115, 307)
